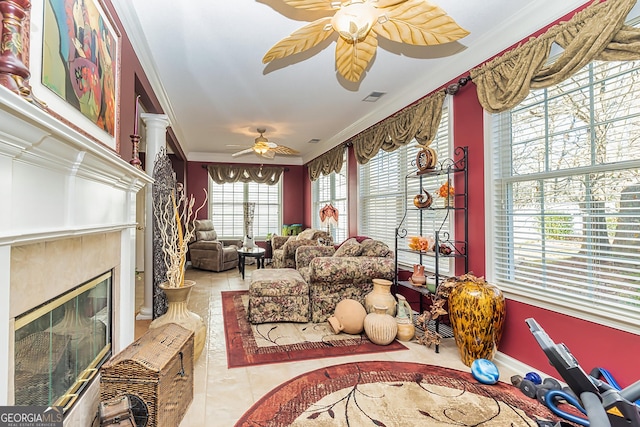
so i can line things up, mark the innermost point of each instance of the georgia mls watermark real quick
(31, 416)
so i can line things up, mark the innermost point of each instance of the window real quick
(332, 189)
(384, 199)
(566, 196)
(226, 208)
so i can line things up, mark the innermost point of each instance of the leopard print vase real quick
(476, 312)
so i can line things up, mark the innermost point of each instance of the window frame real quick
(407, 188)
(341, 231)
(496, 126)
(246, 198)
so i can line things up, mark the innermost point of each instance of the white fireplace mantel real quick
(55, 184)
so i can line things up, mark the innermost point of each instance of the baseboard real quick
(517, 366)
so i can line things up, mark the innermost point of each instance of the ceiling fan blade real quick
(270, 154)
(387, 3)
(310, 4)
(239, 153)
(281, 149)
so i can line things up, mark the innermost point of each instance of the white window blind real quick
(332, 189)
(384, 200)
(226, 208)
(567, 195)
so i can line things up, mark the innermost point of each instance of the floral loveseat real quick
(284, 247)
(346, 272)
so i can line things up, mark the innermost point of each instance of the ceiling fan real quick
(360, 22)
(263, 148)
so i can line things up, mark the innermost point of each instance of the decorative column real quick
(156, 125)
(13, 72)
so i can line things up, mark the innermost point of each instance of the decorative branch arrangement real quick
(172, 216)
(435, 311)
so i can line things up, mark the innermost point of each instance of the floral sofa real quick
(347, 272)
(284, 247)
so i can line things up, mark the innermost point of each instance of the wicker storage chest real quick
(158, 368)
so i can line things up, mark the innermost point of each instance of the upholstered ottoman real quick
(278, 295)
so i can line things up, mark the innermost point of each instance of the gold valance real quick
(222, 174)
(331, 161)
(597, 32)
(419, 121)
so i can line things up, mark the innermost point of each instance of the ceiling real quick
(204, 62)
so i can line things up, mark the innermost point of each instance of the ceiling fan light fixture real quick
(354, 21)
(359, 23)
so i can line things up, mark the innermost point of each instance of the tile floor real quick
(222, 395)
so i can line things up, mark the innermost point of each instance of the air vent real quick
(313, 141)
(374, 96)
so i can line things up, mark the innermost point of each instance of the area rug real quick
(285, 342)
(393, 394)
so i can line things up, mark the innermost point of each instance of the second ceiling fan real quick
(264, 148)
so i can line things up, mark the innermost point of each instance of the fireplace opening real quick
(60, 345)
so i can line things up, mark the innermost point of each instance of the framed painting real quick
(74, 64)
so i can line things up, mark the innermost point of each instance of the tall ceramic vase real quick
(476, 312)
(381, 296)
(177, 312)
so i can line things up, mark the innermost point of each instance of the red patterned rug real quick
(285, 342)
(387, 394)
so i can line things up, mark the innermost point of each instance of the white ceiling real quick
(204, 61)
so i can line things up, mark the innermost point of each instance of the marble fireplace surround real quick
(67, 214)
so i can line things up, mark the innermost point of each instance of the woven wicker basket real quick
(158, 368)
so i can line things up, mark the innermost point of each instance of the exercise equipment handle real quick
(594, 409)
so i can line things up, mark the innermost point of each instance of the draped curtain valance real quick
(419, 121)
(222, 174)
(331, 161)
(595, 33)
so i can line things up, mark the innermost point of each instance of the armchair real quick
(209, 253)
(284, 247)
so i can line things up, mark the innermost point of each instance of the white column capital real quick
(156, 120)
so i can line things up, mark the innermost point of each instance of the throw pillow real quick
(375, 248)
(350, 247)
(206, 235)
(306, 234)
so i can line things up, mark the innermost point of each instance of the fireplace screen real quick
(60, 345)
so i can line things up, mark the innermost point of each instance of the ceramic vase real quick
(177, 312)
(418, 278)
(477, 312)
(380, 296)
(380, 327)
(404, 319)
(348, 317)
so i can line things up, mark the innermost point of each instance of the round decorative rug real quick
(387, 394)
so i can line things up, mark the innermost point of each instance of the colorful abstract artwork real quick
(79, 59)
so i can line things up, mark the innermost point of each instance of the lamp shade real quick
(354, 21)
(328, 215)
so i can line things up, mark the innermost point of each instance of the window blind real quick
(385, 194)
(332, 189)
(226, 208)
(566, 167)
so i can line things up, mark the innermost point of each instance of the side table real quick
(255, 252)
